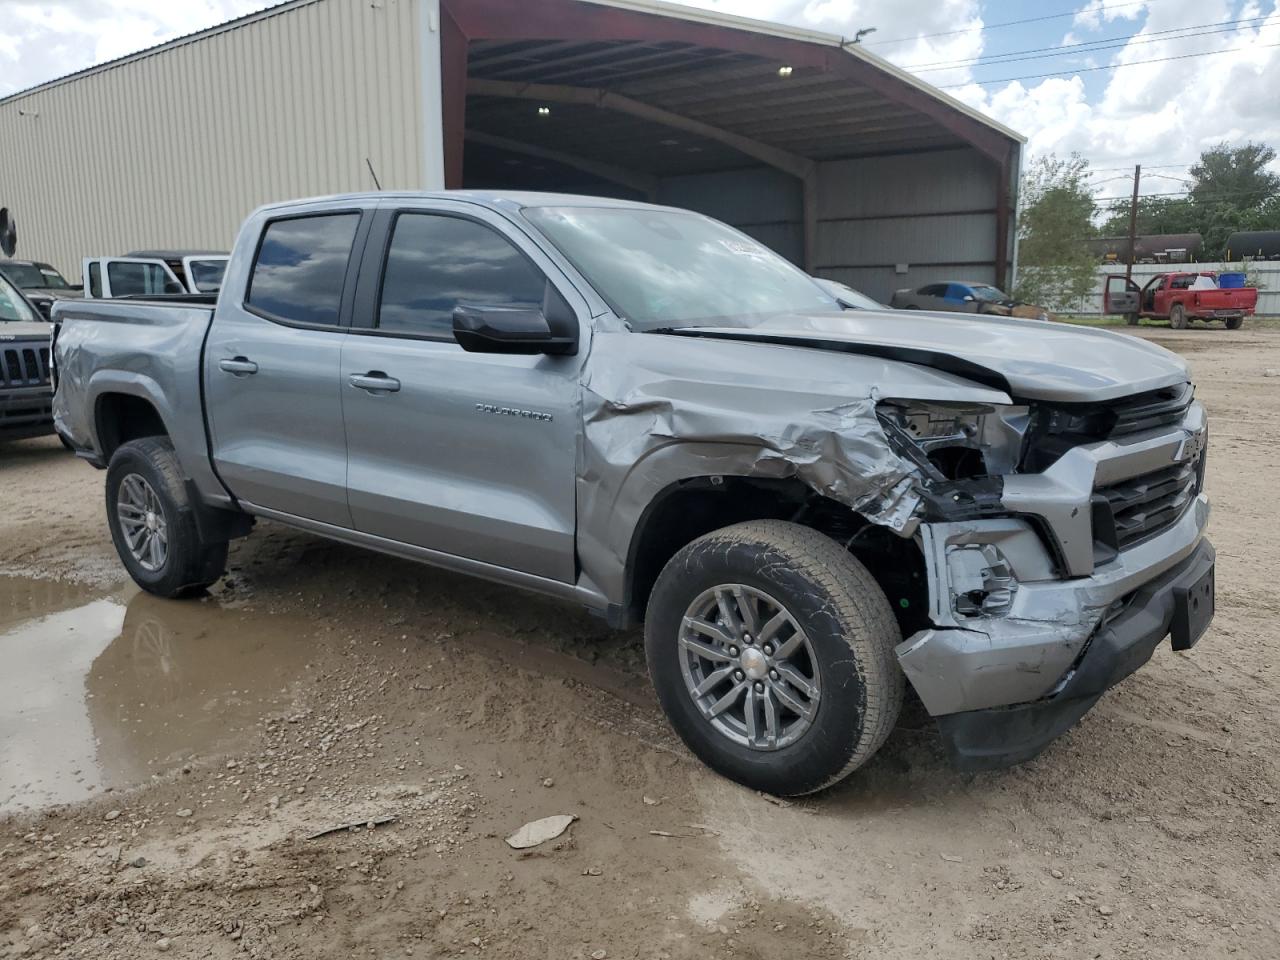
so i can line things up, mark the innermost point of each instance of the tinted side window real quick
(436, 262)
(301, 267)
(934, 290)
(95, 279)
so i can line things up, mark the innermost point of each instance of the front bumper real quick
(26, 412)
(1001, 736)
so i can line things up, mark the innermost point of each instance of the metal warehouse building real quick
(838, 160)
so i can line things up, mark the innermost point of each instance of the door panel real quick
(1120, 296)
(278, 437)
(271, 366)
(473, 455)
(469, 454)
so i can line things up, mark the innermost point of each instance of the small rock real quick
(184, 812)
(951, 859)
(649, 801)
(1271, 372)
(592, 872)
(163, 944)
(112, 815)
(599, 954)
(232, 764)
(1104, 910)
(138, 862)
(1056, 873)
(548, 782)
(475, 941)
(1269, 801)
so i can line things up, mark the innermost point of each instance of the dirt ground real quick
(164, 764)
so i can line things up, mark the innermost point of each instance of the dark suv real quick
(26, 396)
(41, 283)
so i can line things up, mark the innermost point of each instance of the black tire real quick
(1132, 319)
(1234, 323)
(189, 564)
(1178, 317)
(851, 631)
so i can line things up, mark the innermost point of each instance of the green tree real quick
(1055, 267)
(1231, 190)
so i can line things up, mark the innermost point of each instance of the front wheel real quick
(771, 650)
(152, 522)
(1131, 319)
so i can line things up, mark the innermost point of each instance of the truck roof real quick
(488, 198)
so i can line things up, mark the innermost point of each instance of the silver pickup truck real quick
(644, 411)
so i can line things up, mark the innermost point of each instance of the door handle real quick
(238, 365)
(375, 381)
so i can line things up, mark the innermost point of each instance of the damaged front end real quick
(1057, 542)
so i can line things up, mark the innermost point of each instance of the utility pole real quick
(1133, 224)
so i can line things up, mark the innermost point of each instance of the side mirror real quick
(969, 298)
(505, 329)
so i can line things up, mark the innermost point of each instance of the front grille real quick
(1146, 411)
(24, 365)
(1057, 428)
(1134, 510)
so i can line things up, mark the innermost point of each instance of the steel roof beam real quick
(793, 164)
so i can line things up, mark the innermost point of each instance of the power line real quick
(994, 26)
(1111, 66)
(1089, 46)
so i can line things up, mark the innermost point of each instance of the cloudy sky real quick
(1047, 68)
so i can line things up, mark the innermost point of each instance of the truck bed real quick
(1223, 302)
(148, 349)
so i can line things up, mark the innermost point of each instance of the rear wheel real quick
(152, 522)
(1178, 317)
(771, 649)
(1234, 323)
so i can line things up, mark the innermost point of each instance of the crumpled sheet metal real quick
(665, 410)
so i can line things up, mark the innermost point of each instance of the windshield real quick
(27, 276)
(12, 306)
(989, 294)
(53, 280)
(206, 275)
(659, 268)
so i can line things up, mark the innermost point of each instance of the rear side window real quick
(140, 279)
(95, 279)
(301, 267)
(436, 262)
(934, 290)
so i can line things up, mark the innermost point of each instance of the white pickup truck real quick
(152, 273)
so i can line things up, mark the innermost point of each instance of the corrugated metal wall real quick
(933, 212)
(762, 202)
(180, 145)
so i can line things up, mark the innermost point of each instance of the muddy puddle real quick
(106, 689)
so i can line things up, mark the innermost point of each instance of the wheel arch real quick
(688, 508)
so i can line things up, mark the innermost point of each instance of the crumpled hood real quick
(1029, 359)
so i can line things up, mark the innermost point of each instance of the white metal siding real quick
(933, 212)
(173, 149)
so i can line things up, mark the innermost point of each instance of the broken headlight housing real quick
(956, 441)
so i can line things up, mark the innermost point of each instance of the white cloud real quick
(41, 41)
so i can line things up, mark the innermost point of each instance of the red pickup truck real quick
(1179, 298)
